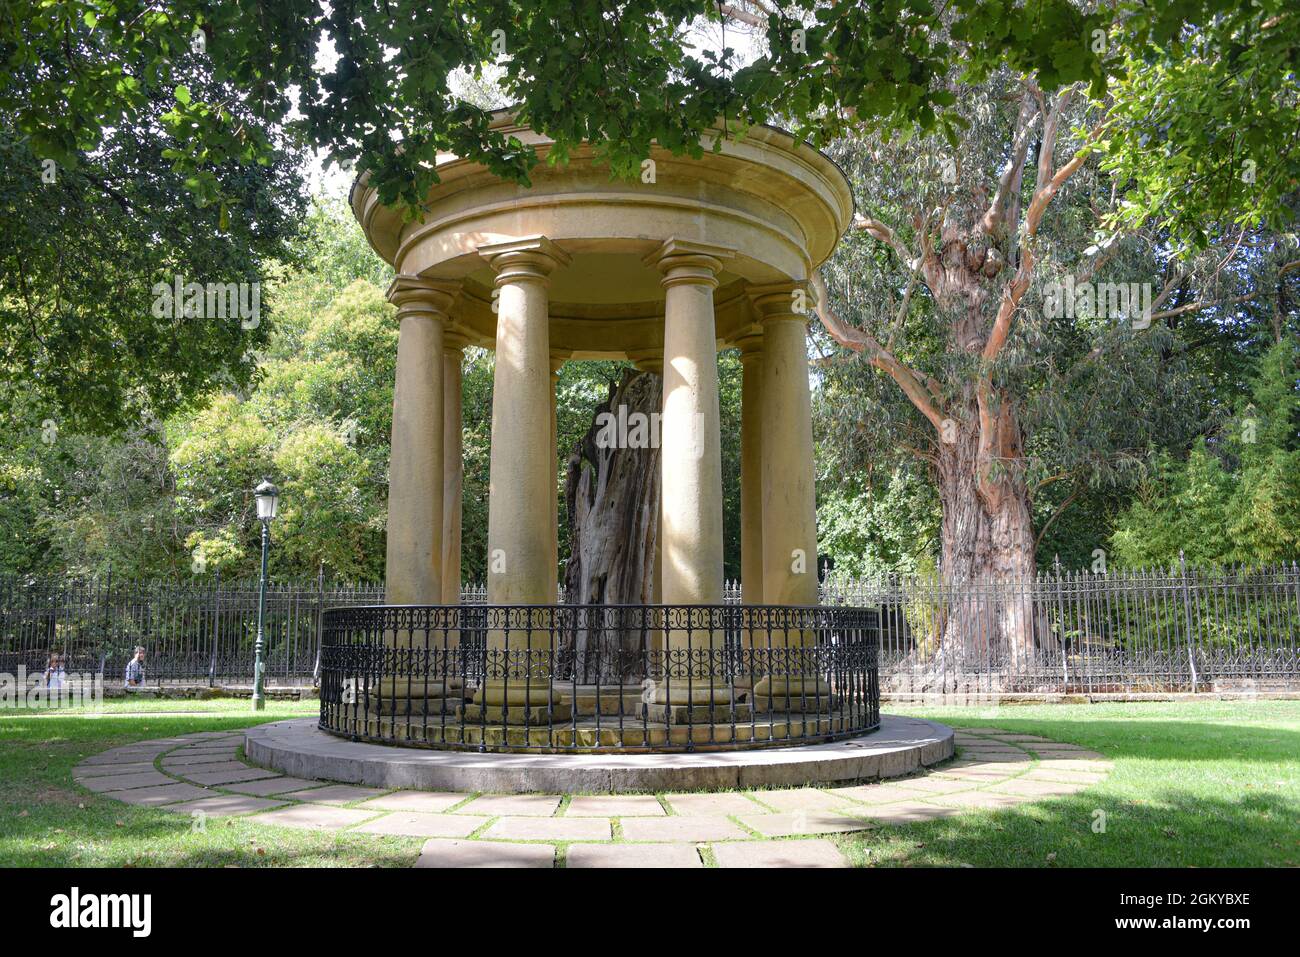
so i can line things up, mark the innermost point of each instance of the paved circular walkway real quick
(203, 774)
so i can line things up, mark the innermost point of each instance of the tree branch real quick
(859, 340)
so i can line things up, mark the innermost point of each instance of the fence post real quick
(1060, 616)
(216, 620)
(103, 638)
(1187, 617)
(320, 607)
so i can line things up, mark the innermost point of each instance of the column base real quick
(499, 701)
(698, 714)
(417, 686)
(793, 694)
(694, 691)
(494, 714)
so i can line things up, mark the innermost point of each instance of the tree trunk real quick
(987, 542)
(612, 492)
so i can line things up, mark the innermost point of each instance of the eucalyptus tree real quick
(1029, 341)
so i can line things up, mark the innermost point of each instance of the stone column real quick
(557, 362)
(691, 456)
(521, 494)
(453, 468)
(789, 505)
(751, 489)
(414, 559)
(751, 476)
(413, 566)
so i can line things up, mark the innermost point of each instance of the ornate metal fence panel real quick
(1173, 629)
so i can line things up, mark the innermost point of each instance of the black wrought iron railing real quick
(599, 677)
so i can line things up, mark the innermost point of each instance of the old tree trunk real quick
(976, 254)
(612, 494)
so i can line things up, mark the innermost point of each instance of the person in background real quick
(135, 668)
(55, 676)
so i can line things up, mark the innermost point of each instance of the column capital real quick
(455, 340)
(558, 358)
(415, 295)
(648, 360)
(685, 261)
(784, 301)
(530, 258)
(750, 346)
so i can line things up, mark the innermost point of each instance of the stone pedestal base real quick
(677, 714)
(496, 714)
(386, 707)
(693, 691)
(793, 694)
(417, 686)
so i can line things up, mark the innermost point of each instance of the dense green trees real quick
(995, 148)
(1236, 498)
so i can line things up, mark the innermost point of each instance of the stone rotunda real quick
(714, 253)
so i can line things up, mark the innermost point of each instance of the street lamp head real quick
(268, 500)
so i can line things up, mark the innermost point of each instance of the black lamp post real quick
(268, 501)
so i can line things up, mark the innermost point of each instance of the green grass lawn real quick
(1214, 784)
(1201, 784)
(47, 820)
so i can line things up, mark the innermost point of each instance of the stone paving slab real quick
(338, 794)
(779, 854)
(718, 805)
(806, 822)
(983, 800)
(803, 799)
(207, 749)
(215, 767)
(121, 756)
(1062, 775)
(104, 770)
(162, 794)
(906, 812)
(441, 853)
(930, 784)
(312, 817)
(277, 785)
(417, 824)
(426, 802)
(227, 804)
(614, 805)
(515, 805)
(549, 829)
(1074, 764)
(198, 761)
(880, 794)
(231, 777)
(123, 782)
(681, 829)
(1037, 789)
(633, 855)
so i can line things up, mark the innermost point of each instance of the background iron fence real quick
(1182, 628)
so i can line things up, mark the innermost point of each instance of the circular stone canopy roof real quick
(779, 205)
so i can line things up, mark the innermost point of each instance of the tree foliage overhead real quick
(89, 235)
(373, 80)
